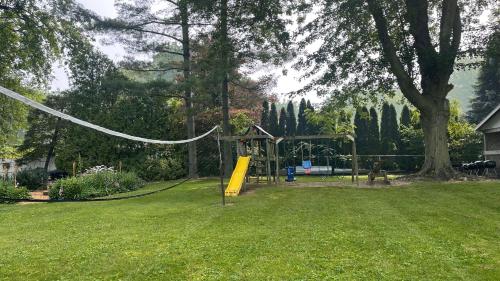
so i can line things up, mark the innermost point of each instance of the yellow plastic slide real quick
(238, 176)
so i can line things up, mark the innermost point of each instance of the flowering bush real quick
(92, 185)
(98, 169)
(8, 190)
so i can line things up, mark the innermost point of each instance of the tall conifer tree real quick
(302, 121)
(487, 94)
(396, 139)
(291, 124)
(405, 117)
(264, 119)
(273, 120)
(361, 123)
(373, 133)
(282, 123)
(385, 130)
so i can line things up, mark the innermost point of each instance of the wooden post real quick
(268, 161)
(355, 163)
(74, 168)
(120, 166)
(277, 163)
(352, 160)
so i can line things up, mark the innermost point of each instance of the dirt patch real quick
(39, 194)
(362, 184)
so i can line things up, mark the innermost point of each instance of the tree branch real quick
(5, 7)
(417, 13)
(448, 15)
(404, 80)
(154, 69)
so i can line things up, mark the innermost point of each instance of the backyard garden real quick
(249, 140)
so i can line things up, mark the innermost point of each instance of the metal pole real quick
(221, 171)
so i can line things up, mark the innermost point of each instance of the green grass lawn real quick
(420, 232)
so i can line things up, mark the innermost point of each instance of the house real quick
(490, 127)
(8, 166)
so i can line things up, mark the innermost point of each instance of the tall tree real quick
(282, 123)
(373, 133)
(245, 31)
(273, 121)
(264, 119)
(291, 123)
(164, 30)
(311, 129)
(386, 134)
(33, 36)
(487, 94)
(44, 133)
(405, 116)
(302, 121)
(416, 41)
(395, 135)
(361, 125)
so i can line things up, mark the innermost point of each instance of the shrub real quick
(57, 174)
(161, 169)
(33, 179)
(94, 185)
(8, 190)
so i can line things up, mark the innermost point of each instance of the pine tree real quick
(361, 123)
(302, 121)
(291, 124)
(273, 121)
(487, 94)
(282, 123)
(343, 147)
(264, 119)
(385, 130)
(373, 133)
(405, 117)
(395, 136)
(311, 129)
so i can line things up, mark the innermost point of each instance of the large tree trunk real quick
(228, 154)
(434, 122)
(190, 121)
(435, 69)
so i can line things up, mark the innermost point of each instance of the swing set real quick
(264, 158)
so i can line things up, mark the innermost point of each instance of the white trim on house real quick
(478, 127)
(492, 152)
(494, 130)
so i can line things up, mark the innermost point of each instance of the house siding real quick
(495, 158)
(492, 141)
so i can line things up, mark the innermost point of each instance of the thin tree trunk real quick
(52, 145)
(228, 154)
(434, 123)
(188, 96)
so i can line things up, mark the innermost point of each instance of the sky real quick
(284, 84)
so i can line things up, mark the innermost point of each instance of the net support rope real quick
(75, 120)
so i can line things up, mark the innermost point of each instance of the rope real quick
(75, 120)
(96, 199)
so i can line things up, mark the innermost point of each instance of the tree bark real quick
(435, 70)
(434, 121)
(188, 96)
(224, 56)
